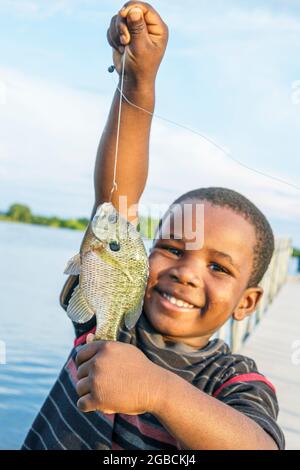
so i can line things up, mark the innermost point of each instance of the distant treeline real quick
(22, 213)
(296, 253)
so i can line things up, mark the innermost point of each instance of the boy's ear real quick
(248, 303)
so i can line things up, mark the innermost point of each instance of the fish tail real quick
(107, 332)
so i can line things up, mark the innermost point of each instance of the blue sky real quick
(228, 72)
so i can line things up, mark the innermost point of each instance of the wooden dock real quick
(275, 346)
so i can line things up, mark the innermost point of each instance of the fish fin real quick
(73, 265)
(132, 316)
(78, 309)
(67, 290)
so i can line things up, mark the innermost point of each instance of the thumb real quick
(90, 338)
(135, 22)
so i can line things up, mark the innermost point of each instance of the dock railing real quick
(236, 332)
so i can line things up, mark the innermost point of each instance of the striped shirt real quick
(231, 378)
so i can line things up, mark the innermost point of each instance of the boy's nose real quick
(185, 276)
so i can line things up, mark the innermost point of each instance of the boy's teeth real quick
(179, 303)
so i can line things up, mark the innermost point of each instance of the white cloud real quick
(181, 161)
(263, 20)
(195, 16)
(48, 135)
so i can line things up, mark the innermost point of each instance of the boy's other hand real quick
(115, 377)
(140, 29)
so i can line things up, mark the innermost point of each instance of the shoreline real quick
(19, 213)
(5, 218)
(32, 224)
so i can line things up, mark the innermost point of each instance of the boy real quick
(165, 384)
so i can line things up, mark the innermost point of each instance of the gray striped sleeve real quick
(249, 392)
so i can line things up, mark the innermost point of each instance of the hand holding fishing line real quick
(140, 29)
(139, 38)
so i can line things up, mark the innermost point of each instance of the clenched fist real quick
(140, 29)
(116, 377)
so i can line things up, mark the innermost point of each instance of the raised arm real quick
(140, 29)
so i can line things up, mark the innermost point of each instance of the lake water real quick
(35, 330)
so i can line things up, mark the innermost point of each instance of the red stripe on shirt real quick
(109, 416)
(115, 446)
(149, 430)
(245, 378)
(72, 369)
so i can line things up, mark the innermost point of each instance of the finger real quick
(112, 44)
(121, 26)
(83, 387)
(109, 39)
(88, 351)
(86, 403)
(118, 34)
(112, 36)
(153, 20)
(136, 23)
(84, 370)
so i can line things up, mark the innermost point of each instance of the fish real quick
(113, 270)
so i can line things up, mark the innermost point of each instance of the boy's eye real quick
(217, 267)
(171, 249)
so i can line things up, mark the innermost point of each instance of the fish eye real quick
(114, 246)
(113, 218)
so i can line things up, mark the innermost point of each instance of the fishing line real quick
(115, 186)
(193, 131)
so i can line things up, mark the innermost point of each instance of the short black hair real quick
(265, 243)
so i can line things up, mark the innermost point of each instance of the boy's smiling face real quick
(212, 280)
